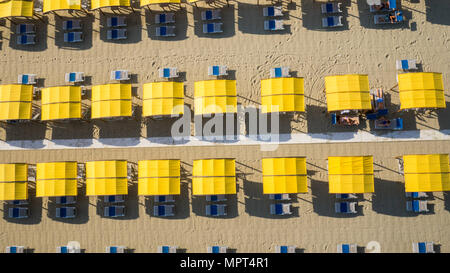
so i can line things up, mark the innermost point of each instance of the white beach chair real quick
(217, 70)
(347, 248)
(217, 249)
(169, 72)
(25, 28)
(165, 18)
(165, 31)
(274, 11)
(115, 249)
(216, 210)
(285, 249)
(73, 37)
(211, 15)
(212, 28)
(167, 249)
(279, 72)
(332, 21)
(331, 8)
(66, 212)
(74, 77)
(119, 75)
(116, 21)
(406, 64)
(72, 25)
(26, 79)
(273, 25)
(14, 249)
(28, 39)
(280, 209)
(116, 34)
(423, 247)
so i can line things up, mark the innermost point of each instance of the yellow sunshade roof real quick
(163, 99)
(95, 4)
(53, 5)
(215, 96)
(347, 92)
(421, 90)
(151, 2)
(16, 8)
(282, 95)
(159, 177)
(214, 176)
(13, 181)
(350, 174)
(284, 175)
(426, 172)
(111, 100)
(107, 177)
(15, 101)
(56, 179)
(61, 102)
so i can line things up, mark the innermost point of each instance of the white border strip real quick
(338, 137)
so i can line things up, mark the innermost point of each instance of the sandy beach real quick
(249, 52)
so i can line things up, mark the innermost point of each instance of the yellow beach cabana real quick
(282, 95)
(56, 5)
(61, 102)
(215, 97)
(163, 99)
(426, 173)
(159, 177)
(347, 92)
(13, 181)
(214, 176)
(100, 4)
(15, 101)
(16, 8)
(111, 100)
(107, 177)
(56, 179)
(421, 90)
(284, 175)
(350, 174)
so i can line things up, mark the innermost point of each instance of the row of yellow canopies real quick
(348, 174)
(344, 92)
(24, 8)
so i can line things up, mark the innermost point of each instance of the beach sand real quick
(249, 52)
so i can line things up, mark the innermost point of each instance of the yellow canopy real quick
(111, 100)
(284, 175)
(15, 101)
(421, 90)
(350, 174)
(159, 177)
(151, 2)
(426, 172)
(53, 5)
(347, 92)
(214, 176)
(106, 177)
(282, 95)
(13, 181)
(215, 96)
(16, 8)
(61, 102)
(96, 4)
(163, 99)
(56, 179)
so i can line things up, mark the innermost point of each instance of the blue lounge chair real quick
(345, 207)
(164, 18)
(18, 202)
(65, 200)
(114, 211)
(217, 70)
(115, 249)
(406, 64)
(216, 198)
(216, 210)
(331, 8)
(163, 210)
(211, 15)
(169, 72)
(273, 25)
(72, 25)
(393, 124)
(212, 28)
(117, 21)
(280, 209)
(26, 29)
(167, 249)
(66, 212)
(332, 21)
(416, 194)
(283, 196)
(18, 212)
(165, 31)
(423, 247)
(114, 199)
(285, 249)
(116, 34)
(217, 249)
(119, 75)
(385, 6)
(26, 39)
(27, 78)
(74, 77)
(62, 249)
(164, 198)
(417, 206)
(15, 249)
(73, 37)
(273, 11)
(347, 248)
(278, 72)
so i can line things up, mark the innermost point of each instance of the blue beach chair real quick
(66, 212)
(216, 210)
(283, 196)
(117, 21)
(26, 39)
(26, 78)
(163, 210)
(423, 247)
(73, 37)
(72, 25)
(115, 249)
(119, 75)
(345, 207)
(417, 206)
(393, 124)
(273, 25)
(116, 34)
(114, 199)
(114, 211)
(164, 198)
(164, 18)
(18, 213)
(25, 28)
(217, 249)
(273, 11)
(279, 72)
(216, 198)
(332, 21)
(212, 28)
(15, 249)
(211, 15)
(217, 70)
(165, 31)
(347, 248)
(167, 249)
(285, 249)
(416, 194)
(406, 64)
(331, 8)
(168, 72)
(280, 209)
